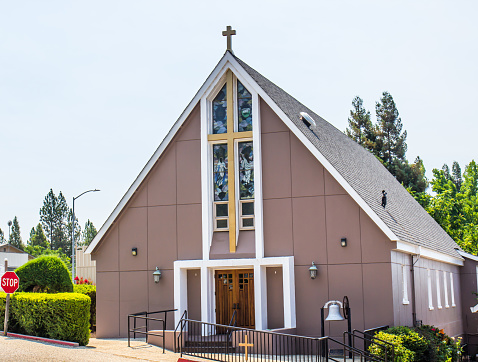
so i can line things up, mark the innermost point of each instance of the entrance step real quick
(208, 344)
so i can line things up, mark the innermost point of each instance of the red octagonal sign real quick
(10, 282)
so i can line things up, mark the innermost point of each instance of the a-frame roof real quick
(355, 168)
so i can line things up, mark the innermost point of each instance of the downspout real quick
(412, 269)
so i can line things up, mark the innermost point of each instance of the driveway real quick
(98, 350)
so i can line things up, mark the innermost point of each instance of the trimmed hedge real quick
(90, 291)
(63, 316)
(47, 274)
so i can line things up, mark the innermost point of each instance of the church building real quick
(248, 193)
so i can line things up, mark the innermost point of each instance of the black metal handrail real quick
(176, 339)
(383, 345)
(203, 340)
(369, 338)
(146, 317)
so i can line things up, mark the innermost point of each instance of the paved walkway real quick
(98, 350)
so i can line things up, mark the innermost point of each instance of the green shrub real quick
(412, 341)
(46, 274)
(443, 348)
(402, 354)
(426, 344)
(63, 316)
(90, 291)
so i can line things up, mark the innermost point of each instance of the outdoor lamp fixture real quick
(343, 242)
(157, 275)
(134, 251)
(334, 307)
(313, 271)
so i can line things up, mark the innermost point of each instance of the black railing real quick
(212, 341)
(177, 338)
(145, 316)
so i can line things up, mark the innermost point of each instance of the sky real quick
(89, 89)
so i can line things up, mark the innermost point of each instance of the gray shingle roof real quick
(365, 174)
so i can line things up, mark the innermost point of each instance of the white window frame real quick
(216, 218)
(405, 285)
(452, 289)
(430, 294)
(437, 273)
(241, 217)
(445, 290)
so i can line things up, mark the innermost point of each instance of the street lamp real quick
(73, 244)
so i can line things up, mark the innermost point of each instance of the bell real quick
(334, 313)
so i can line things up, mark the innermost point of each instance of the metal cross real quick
(229, 33)
(246, 345)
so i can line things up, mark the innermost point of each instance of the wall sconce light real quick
(313, 271)
(157, 275)
(343, 242)
(134, 251)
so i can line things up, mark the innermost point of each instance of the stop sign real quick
(10, 282)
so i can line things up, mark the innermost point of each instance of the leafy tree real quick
(15, 236)
(2, 237)
(37, 237)
(89, 233)
(38, 250)
(391, 141)
(360, 128)
(455, 207)
(53, 215)
(412, 176)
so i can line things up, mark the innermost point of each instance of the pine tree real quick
(391, 141)
(89, 233)
(37, 237)
(53, 216)
(68, 229)
(360, 127)
(2, 237)
(456, 175)
(15, 236)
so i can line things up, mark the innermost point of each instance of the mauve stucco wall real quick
(449, 318)
(170, 195)
(306, 213)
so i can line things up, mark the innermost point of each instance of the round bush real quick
(46, 274)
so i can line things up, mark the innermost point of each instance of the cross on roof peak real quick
(229, 32)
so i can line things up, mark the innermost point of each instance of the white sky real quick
(88, 89)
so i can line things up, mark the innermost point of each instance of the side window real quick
(405, 285)
(430, 293)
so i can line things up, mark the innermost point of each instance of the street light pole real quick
(73, 244)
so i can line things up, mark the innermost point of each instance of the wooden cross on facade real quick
(246, 345)
(229, 33)
(230, 136)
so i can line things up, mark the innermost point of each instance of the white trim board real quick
(426, 253)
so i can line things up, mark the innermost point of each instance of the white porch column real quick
(260, 296)
(288, 281)
(206, 300)
(180, 291)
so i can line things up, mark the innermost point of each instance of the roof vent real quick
(308, 120)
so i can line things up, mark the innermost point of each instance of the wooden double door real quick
(235, 292)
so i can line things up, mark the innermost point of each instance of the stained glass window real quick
(219, 110)
(244, 110)
(246, 170)
(220, 172)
